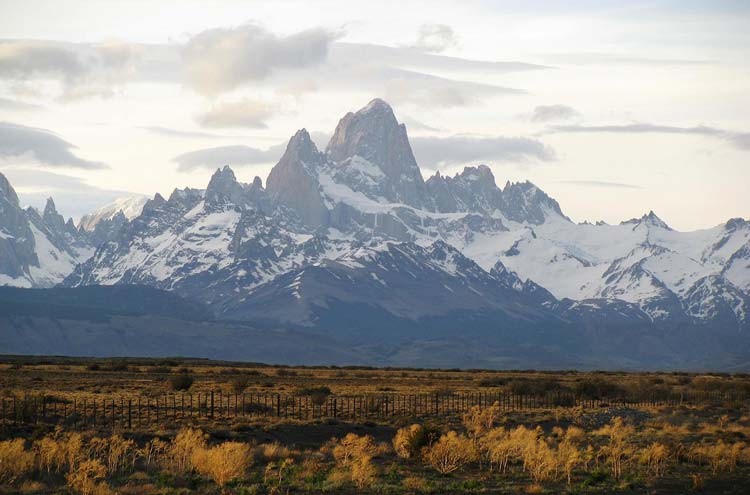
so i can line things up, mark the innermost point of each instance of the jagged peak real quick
(49, 207)
(7, 190)
(648, 219)
(526, 186)
(481, 172)
(257, 182)
(735, 223)
(376, 105)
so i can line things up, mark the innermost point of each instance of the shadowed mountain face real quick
(351, 244)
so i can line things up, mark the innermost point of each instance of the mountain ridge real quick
(354, 230)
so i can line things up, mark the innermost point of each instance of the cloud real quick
(740, 140)
(433, 151)
(73, 195)
(435, 38)
(403, 86)
(18, 106)
(242, 113)
(548, 113)
(219, 60)
(619, 59)
(416, 125)
(18, 142)
(236, 155)
(599, 183)
(353, 54)
(177, 133)
(82, 70)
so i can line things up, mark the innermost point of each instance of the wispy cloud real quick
(242, 113)
(237, 155)
(39, 146)
(599, 183)
(551, 113)
(18, 106)
(740, 140)
(177, 133)
(431, 152)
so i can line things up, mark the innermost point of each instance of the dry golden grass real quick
(15, 460)
(223, 463)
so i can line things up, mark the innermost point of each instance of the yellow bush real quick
(409, 441)
(498, 448)
(15, 460)
(655, 458)
(153, 453)
(720, 456)
(363, 472)
(274, 451)
(117, 453)
(225, 462)
(50, 454)
(353, 447)
(182, 447)
(88, 478)
(618, 450)
(479, 421)
(540, 461)
(451, 453)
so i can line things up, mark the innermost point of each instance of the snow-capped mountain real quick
(129, 206)
(37, 249)
(353, 242)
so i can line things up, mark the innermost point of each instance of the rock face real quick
(371, 154)
(36, 250)
(353, 245)
(294, 180)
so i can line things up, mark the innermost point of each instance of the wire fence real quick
(174, 409)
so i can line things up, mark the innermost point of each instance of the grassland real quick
(701, 447)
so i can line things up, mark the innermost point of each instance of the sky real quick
(613, 108)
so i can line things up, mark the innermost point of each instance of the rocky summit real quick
(351, 244)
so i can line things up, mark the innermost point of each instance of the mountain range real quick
(352, 246)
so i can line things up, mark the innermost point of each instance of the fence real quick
(128, 413)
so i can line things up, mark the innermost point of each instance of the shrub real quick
(595, 388)
(655, 458)
(415, 484)
(353, 447)
(719, 456)
(225, 462)
(540, 461)
(451, 453)
(274, 451)
(88, 478)
(409, 440)
(182, 447)
(153, 452)
(363, 472)
(318, 395)
(15, 460)
(115, 452)
(479, 421)
(240, 383)
(618, 449)
(181, 382)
